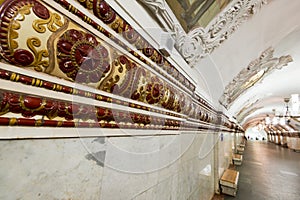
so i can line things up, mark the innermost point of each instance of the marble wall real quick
(48, 169)
(109, 168)
(226, 148)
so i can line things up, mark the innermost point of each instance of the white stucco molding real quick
(200, 41)
(252, 74)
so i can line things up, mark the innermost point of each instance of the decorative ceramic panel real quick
(74, 54)
(38, 38)
(103, 11)
(38, 111)
(60, 113)
(24, 46)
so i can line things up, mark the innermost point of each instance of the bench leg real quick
(229, 190)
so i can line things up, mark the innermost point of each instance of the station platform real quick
(269, 171)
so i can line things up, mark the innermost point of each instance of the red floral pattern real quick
(81, 57)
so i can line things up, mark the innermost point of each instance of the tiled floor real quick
(218, 197)
(269, 172)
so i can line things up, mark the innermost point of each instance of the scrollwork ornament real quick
(39, 64)
(23, 57)
(13, 13)
(189, 46)
(52, 20)
(53, 23)
(254, 73)
(35, 59)
(200, 41)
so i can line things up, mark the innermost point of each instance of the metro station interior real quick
(149, 99)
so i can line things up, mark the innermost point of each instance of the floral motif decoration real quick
(120, 25)
(30, 106)
(130, 80)
(44, 111)
(77, 55)
(104, 12)
(130, 83)
(81, 57)
(125, 77)
(124, 90)
(154, 90)
(33, 55)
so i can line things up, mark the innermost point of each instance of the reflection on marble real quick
(225, 152)
(176, 175)
(156, 167)
(49, 169)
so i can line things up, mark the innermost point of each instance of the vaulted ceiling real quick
(275, 25)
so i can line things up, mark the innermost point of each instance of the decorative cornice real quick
(39, 111)
(60, 113)
(58, 87)
(253, 73)
(75, 55)
(201, 41)
(104, 12)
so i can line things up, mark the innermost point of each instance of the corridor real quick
(268, 171)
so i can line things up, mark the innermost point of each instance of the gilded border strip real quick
(36, 82)
(72, 114)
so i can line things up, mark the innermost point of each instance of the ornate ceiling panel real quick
(199, 42)
(252, 74)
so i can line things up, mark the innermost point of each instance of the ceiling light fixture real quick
(267, 120)
(287, 113)
(295, 104)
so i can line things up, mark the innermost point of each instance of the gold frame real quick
(196, 13)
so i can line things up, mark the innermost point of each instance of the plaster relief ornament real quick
(252, 74)
(201, 41)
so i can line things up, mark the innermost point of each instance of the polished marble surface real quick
(268, 171)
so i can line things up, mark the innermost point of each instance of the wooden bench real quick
(240, 150)
(242, 145)
(294, 143)
(229, 182)
(237, 159)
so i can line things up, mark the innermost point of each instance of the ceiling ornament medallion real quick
(200, 42)
(252, 74)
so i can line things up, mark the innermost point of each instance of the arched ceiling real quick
(274, 26)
